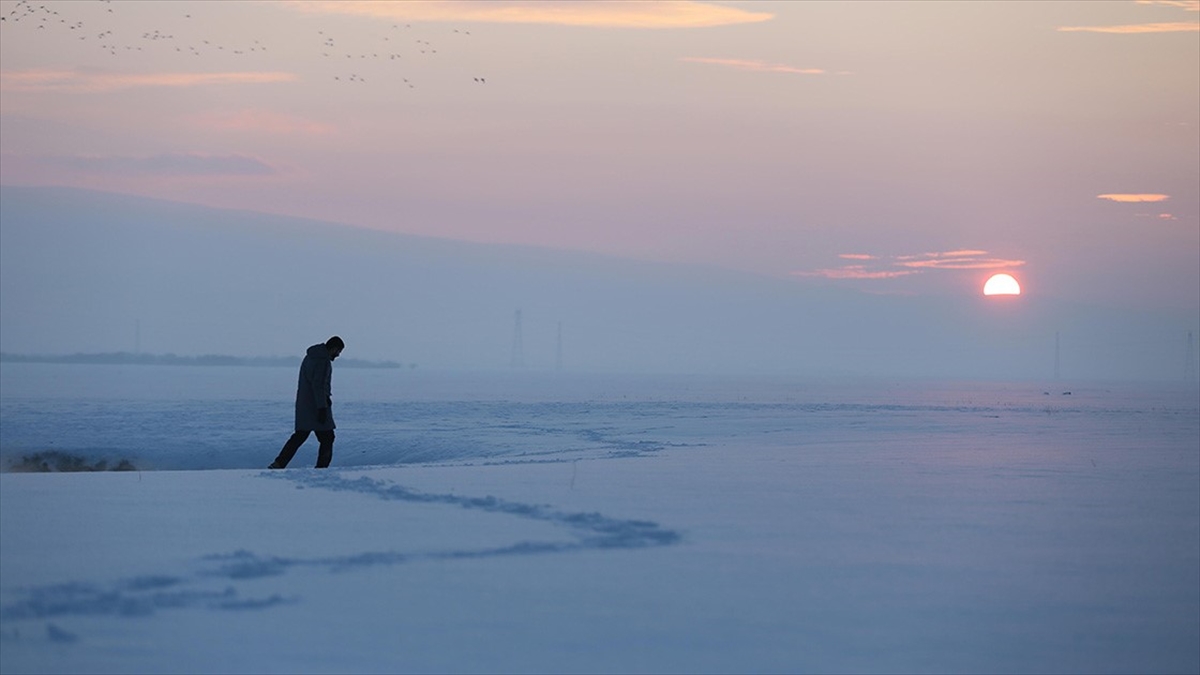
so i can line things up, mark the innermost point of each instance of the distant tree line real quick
(128, 358)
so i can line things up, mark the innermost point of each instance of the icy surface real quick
(552, 523)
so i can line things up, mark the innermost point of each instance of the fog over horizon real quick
(85, 271)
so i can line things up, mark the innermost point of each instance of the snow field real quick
(694, 536)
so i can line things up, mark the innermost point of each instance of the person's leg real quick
(289, 449)
(325, 452)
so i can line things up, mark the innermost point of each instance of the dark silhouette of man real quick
(314, 404)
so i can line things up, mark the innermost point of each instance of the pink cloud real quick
(1134, 198)
(947, 254)
(754, 65)
(1188, 5)
(963, 263)
(1135, 29)
(1144, 28)
(878, 267)
(958, 254)
(599, 14)
(855, 272)
(87, 81)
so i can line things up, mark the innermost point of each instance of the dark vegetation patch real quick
(54, 460)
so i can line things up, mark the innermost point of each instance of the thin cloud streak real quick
(1144, 28)
(602, 14)
(754, 66)
(966, 263)
(82, 81)
(903, 265)
(1134, 198)
(855, 272)
(1188, 5)
(1136, 29)
(970, 253)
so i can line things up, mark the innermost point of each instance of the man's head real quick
(335, 345)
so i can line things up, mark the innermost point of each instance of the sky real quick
(891, 147)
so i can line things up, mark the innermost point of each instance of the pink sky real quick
(891, 147)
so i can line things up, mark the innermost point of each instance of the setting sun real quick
(1001, 284)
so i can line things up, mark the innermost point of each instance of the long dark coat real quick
(314, 390)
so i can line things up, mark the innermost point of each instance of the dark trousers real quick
(324, 452)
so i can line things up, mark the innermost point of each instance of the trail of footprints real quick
(215, 585)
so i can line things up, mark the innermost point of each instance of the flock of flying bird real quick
(357, 64)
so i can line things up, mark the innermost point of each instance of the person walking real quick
(314, 404)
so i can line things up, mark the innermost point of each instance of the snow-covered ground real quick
(551, 523)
